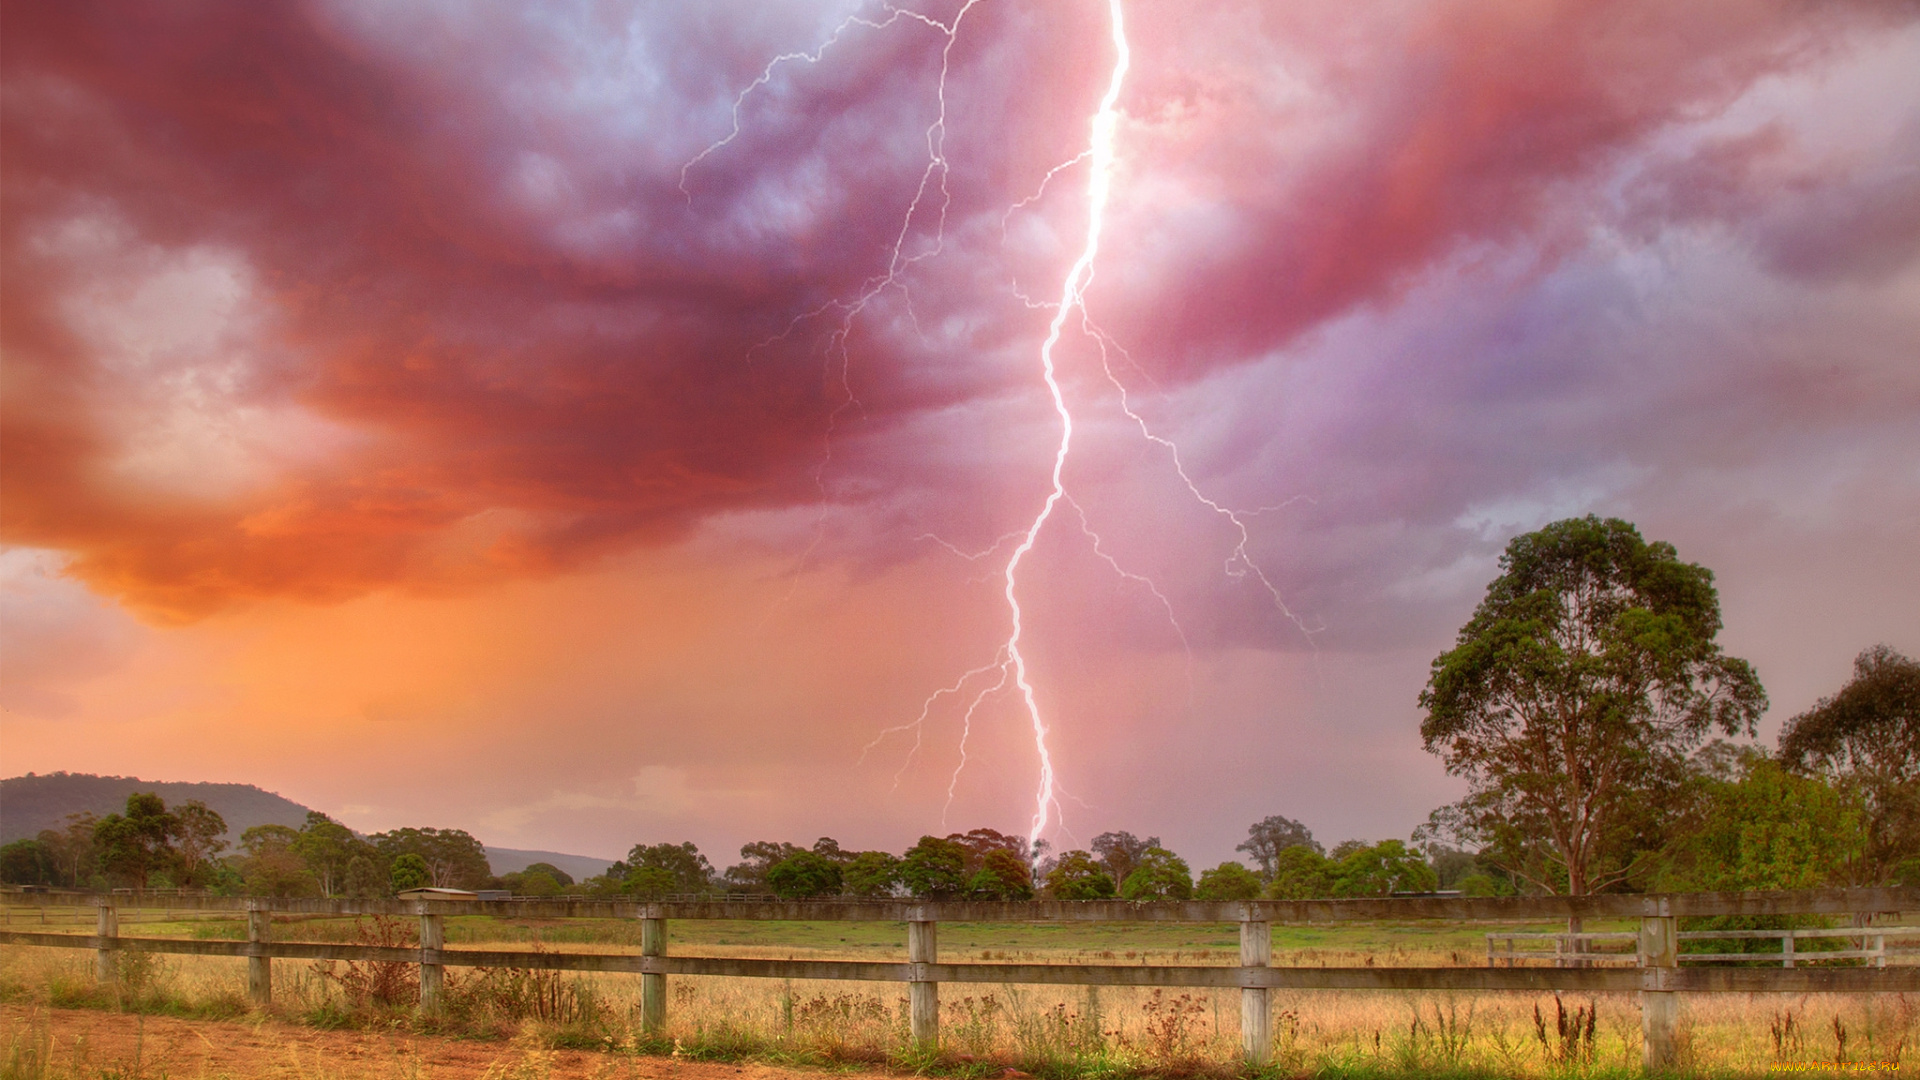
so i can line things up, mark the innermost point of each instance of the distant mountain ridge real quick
(34, 802)
(578, 867)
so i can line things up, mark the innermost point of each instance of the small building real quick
(493, 894)
(439, 894)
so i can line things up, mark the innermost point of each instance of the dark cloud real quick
(1453, 126)
(460, 239)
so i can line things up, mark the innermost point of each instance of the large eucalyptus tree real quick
(1574, 696)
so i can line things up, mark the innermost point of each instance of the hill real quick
(579, 867)
(31, 803)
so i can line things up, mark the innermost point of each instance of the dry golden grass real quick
(1066, 1031)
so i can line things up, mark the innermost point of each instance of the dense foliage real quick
(1865, 740)
(1573, 698)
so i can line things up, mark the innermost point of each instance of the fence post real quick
(1256, 1021)
(1659, 1009)
(106, 928)
(259, 967)
(433, 976)
(1786, 949)
(923, 994)
(653, 984)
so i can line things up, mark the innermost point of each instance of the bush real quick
(500, 998)
(1483, 885)
(382, 983)
(410, 872)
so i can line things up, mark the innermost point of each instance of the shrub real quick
(410, 872)
(1484, 885)
(385, 983)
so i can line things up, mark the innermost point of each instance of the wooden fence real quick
(1656, 975)
(1567, 950)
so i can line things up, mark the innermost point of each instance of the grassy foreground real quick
(1057, 1033)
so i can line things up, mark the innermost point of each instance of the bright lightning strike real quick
(1072, 295)
(931, 193)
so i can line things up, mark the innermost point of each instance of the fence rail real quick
(1573, 948)
(1455, 908)
(1657, 975)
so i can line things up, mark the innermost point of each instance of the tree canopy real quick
(658, 869)
(1766, 829)
(1002, 875)
(1270, 836)
(1158, 874)
(455, 860)
(1076, 875)
(1119, 852)
(1573, 697)
(1867, 738)
(935, 868)
(804, 874)
(1300, 873)
(1228, 881)
(133, 846)
(871, 874)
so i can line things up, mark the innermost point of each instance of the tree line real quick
(153, 846)
(1586, 702)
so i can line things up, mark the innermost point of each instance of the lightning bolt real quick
(894, 15)
(837, 359)
(1072, 296)
(1240, 563)
(1166, 605)
(1009, 660)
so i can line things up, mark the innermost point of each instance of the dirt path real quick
(85, 1043)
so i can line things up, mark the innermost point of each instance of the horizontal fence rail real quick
(1656, 974)
(1394, 909)
(1571, 948)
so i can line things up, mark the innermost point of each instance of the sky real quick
(594, 423)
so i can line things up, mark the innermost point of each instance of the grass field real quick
(1056, 1032)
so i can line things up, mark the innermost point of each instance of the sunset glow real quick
(585, 424)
